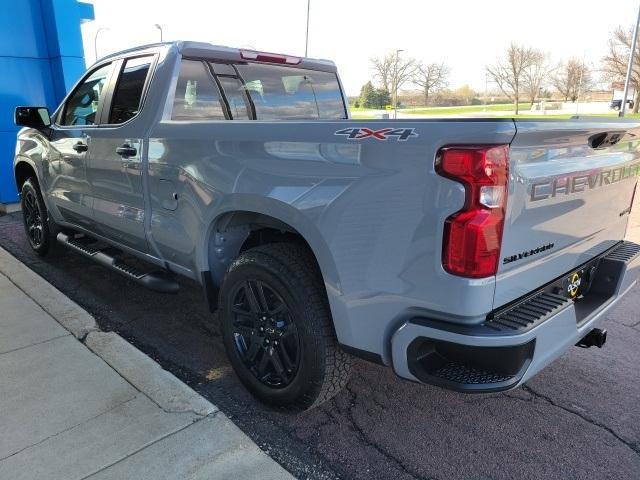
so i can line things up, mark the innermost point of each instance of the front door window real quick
(82, 105)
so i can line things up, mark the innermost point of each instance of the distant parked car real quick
(617, 104)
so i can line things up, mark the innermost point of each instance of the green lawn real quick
(565, 115)
(364, 114)
(465, 109)
(447, 110)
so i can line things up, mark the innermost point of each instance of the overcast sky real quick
(465, 34)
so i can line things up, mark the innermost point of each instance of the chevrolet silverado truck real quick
(463, 253)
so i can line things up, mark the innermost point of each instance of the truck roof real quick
(220, 52)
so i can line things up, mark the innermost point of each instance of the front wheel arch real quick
(22, 172)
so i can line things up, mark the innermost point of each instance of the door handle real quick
(126, 150)
(80, 147)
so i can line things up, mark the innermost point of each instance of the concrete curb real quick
(160, 386)
(142, 372)
(6, 208)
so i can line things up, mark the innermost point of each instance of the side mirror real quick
(33, 117)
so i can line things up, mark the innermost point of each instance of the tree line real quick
(392, 72)
(521, 72)
(527, 70)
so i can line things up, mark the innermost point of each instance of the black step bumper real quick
(519, 340)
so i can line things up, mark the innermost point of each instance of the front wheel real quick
(277, 327)
(35, 217)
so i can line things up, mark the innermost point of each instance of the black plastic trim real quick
(159, 281)
(210, 290)
(467, 368)
(363, 354)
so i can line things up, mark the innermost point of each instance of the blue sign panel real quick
(41, 57)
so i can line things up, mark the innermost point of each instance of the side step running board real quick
(157, 281)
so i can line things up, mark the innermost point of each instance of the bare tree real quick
(393, 71)
(383, 69)
(614, 63)
(509, 74)
(536, 75)
(571, 78)
(431, 78)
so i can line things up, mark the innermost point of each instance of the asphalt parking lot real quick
(580, 418)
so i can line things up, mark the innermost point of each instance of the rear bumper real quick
(507, 350)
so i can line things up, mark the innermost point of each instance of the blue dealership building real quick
(41, 57)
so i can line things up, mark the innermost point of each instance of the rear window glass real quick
(286, 93)
(197, 96)
(236, 97)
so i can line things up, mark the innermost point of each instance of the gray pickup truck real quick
(464, 253)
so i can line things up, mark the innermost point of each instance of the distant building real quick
(596, 96)
(618, 91)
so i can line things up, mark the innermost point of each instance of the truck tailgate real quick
(568, 202)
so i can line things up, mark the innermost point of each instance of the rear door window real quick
(286, 93)
(127, 97)
(197, 96)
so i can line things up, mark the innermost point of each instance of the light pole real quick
(157, 25)
(306, 41)
(486, 89)
(580, 83)
(395, 84)
(95, 40)
(634, 40)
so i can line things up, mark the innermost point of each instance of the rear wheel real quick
(277, 327)
(35, 217)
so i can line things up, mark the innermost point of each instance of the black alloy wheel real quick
(35, 217)
(265, 336)
(277, 327)
(33, 220)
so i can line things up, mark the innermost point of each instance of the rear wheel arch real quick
(234, 232)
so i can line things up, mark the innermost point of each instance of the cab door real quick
(115, 167)
(65, 170)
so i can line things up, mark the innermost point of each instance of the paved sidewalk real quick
(78, 403)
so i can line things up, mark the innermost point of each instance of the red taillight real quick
(269, 57)
(473, 235)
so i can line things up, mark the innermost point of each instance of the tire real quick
(35, 216)
(273, 304)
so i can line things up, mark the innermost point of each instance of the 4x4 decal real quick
(359, 133)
